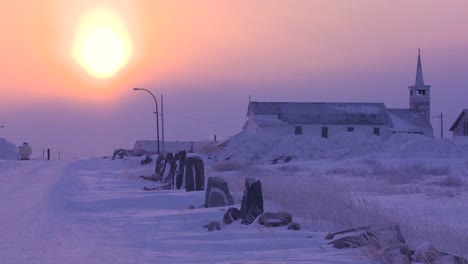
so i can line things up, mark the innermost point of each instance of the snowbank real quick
(263, 147)
(8, 150)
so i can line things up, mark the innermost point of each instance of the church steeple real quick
(420, 93)
(419, 73)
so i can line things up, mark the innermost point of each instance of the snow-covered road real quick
(31, 230)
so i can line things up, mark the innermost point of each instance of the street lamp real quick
(157, 119)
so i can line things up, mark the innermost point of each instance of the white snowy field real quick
(418, 183)
(95, 211)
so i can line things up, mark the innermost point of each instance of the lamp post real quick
(157, 119)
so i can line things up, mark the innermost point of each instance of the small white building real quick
(460, 126)
(326, 119)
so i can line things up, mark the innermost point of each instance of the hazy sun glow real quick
(102, 45)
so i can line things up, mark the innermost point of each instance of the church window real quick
(298, 130)
(422, 92)
(411, 93)
(377, 131)
(325, 132)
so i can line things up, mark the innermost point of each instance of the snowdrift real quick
(8, 150)
(264, 147)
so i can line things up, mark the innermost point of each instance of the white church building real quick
(326, 119)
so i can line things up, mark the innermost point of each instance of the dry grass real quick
(229, 165)
(450, 181)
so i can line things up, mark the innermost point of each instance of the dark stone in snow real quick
(252, 202)
(367, 236)
(194, 174)
(179, 160)
(159, 168)
(147, 160)
(281, 159)
(294, 226)
(168, 169)
(232, 214)
(427, 253)
(213, 226)
(121, 153)
(217, 193)
(275, 219)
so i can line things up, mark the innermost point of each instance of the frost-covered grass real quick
(404, 173)
(348, 194)
(450, 181)
(229, 165)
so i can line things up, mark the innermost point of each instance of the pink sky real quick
(207, 57)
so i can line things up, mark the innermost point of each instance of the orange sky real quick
(322, 48)
(215, 40)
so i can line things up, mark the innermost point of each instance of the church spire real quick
(419, 73)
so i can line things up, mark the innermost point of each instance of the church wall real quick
(316, 130)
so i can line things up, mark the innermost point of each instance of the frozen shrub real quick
(450, 181)
(229, 165)
(347, 171)
(372, 162)
(421, 168)
(288, 168)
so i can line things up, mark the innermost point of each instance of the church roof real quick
(464, 112)
(408, 120)
(319, 113)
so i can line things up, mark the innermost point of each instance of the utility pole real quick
(162, 122)
(441, 116)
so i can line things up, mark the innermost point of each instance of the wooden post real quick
(48, 154)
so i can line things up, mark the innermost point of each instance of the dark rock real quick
(428, 254)
(294, 226)
(179, 160)
(399, 253)
(159, 168)
(252, 201)
(213, 226)
(367, 236)
(150, 178)
(121, 153)
(194, 174)
(270, 219)
(217, 193)
(281, 159)
(147, 160)
(191, 206)
(168, 169)
(232, 214)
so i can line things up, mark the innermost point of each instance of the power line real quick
(196, 119)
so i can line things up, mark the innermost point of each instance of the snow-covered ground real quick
(95, 211)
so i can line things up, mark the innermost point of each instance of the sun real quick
(102, 44)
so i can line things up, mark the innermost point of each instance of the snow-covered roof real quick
(408, 120)
(464, 112)
(320, 113)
